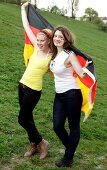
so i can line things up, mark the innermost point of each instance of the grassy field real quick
(91, 153)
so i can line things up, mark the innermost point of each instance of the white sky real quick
(98, 5)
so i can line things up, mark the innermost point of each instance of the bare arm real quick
(72, 60)
(26, 26)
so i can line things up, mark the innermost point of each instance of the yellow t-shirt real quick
(35, 71)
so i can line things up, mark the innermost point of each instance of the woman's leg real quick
(71, 101)
(28, 99)
(59, 118)
(73, 104)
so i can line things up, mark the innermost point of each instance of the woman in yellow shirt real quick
(30, 85)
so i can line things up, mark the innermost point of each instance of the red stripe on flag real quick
(87, 81)
(81, 60)
(35, 31)
(93, 94)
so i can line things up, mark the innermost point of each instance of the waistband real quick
(24, 86)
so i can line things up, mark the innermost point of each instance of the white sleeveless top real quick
(63, 77)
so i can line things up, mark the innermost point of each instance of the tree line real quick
(90, 14)
(18, 2)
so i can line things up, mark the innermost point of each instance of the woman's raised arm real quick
(26, 26)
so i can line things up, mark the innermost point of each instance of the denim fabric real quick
(68, 105)
(28, 99)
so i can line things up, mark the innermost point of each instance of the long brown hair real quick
(68, 36)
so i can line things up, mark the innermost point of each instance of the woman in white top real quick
(30, 86)
(68, 97)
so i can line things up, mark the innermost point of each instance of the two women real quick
(68, 97)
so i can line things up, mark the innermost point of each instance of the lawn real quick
(91, 153)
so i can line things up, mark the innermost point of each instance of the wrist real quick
(23, 7)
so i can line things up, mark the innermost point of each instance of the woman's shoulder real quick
(36, 50)
(68, 51)
(50, 54)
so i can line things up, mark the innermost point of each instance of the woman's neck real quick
(59, 50)
(43, 53)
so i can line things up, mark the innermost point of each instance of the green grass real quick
(91, 153)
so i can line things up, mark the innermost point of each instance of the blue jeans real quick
(68, 105)
(28, 99)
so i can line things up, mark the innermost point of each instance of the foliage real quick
(103, 26)
(55, 10)
(91, 14)
(11, 1)
(91, 153)
(18, 2)
(98, 21)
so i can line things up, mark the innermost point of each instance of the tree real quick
(73, 5)
(18, 2)
(55, 10)
(34, 3)
(91, 14)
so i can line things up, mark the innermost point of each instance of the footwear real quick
(32, 150)
(43, 148)
(64, 163)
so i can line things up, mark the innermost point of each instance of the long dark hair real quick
(68, 36)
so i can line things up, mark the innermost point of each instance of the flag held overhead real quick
(88, 84)
(37, 23)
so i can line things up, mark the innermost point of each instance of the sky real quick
(98, 5)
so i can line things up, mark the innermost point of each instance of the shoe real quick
(32, 150)
(43, 148)
(64, 163)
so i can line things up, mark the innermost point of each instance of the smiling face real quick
(58, 39)
(42, 41)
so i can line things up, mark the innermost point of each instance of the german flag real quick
(37, 23)
(87, 85)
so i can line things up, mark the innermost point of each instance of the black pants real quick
(28, 99)
(68, 105)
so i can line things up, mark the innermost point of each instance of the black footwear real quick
(64, 163)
